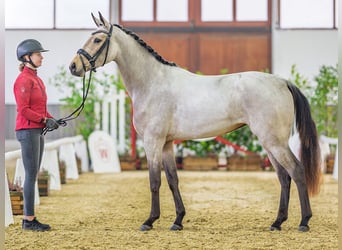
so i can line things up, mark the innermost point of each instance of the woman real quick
(32, 118)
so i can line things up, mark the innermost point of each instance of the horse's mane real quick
(146, 46)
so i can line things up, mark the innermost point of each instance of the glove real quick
(51, 124)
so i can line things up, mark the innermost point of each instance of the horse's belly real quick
(192, 129)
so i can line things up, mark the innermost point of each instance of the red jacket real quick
(31, 99)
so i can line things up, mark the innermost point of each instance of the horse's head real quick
(96, 51)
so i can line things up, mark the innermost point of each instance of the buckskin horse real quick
(171, 103)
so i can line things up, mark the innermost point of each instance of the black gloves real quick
(51, 124)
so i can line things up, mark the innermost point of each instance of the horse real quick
(171, 103)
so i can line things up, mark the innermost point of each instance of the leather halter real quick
(92, 59)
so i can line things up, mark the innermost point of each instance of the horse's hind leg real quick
(172, 179)
(285, 158)
(285, 183)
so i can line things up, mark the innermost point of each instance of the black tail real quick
(310, 150)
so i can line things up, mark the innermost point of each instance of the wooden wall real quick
(210, 52)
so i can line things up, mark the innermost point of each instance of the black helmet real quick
(28, 47)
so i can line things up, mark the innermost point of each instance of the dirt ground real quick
(225, 210)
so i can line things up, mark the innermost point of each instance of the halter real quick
(92, 59)
(85, 89)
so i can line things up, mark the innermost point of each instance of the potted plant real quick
(200, 154)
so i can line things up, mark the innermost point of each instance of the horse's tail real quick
(309, 149)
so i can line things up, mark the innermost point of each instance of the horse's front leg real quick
(169, 164)
(153, 155)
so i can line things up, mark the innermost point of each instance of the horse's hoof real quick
(145, 227)
(176, 227)
(303, 228)
(274, 228)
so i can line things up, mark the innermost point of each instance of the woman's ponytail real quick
(21, 67)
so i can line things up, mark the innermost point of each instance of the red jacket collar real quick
(30, 71)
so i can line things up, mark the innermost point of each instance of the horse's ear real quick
(104, 21)
(96, 20)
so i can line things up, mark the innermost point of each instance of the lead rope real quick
(76, 113)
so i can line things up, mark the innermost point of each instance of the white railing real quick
(110, 114)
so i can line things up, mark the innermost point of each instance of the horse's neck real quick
(137, 66)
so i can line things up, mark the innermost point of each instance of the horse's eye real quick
(97, 40)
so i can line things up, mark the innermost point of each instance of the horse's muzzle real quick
(76, 68)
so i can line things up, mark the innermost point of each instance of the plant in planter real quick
(211, 149)
(202, 155)
(248, 141)
(43, 183)
(16, 196)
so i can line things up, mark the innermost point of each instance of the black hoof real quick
(303, 228)
(274, 228)
(145, 227)
(176, 227)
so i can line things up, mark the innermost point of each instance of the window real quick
(172, 11)
(216, 10)
(251, 10)
(140, 12)
(23, 14)
(51, 14)
(137, 10)
(77, 13)
(195, 12)
(307, 14)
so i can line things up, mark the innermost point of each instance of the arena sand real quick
(225, 210)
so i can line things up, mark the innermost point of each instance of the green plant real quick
(242, 137)
(245, 138)
(73, 86)
(203, 148)
(300, 81)
(322, 96)
(324, 101)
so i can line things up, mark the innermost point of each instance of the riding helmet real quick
(27, 47)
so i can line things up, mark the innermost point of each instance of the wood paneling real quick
(210, 52)
(174, 47)
(237, 52)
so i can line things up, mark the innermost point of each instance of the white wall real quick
(62, 44)
(308, 49)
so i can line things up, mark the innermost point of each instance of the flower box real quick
(17, 202)
(200, 163)
(127, 163)
(245, 163)
(62, 172)
(43, 183)
(330, 161)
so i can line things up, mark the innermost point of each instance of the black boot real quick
(35, 225)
